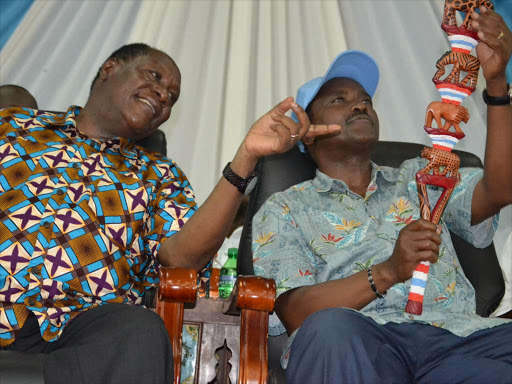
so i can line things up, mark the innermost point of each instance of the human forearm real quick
(204, 233)
(354, 291)
(498, 151)
(495, 189)
(494, 50)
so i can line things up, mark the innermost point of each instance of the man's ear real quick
(108, 68)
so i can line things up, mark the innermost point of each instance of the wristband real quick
(372, 284)
(498, 100)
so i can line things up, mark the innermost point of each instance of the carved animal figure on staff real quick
(467, 6)
(461, 62)
(451, 113)
(439, 158)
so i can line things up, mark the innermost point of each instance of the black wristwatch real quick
(244, 185)
(498, 100)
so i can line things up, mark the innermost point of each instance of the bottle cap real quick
(233, 252)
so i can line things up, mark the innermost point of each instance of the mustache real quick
(358, 115)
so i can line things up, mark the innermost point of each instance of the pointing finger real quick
(322, 129)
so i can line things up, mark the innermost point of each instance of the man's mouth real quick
(359, 117)
(148, 103)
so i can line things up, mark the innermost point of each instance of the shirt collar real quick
(324, 183)
(67, 121)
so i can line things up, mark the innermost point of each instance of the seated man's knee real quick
(139, 325)
(333, 324)
(146, 321)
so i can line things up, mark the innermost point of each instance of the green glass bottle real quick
(227, 277)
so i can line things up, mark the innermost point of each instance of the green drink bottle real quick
(227, 277)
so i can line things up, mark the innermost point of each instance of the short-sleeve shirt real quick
(319, 230)
(81, 219)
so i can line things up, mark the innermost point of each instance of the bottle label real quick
(227, 280)
(226, 284)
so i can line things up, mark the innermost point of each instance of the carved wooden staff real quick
(443, 166)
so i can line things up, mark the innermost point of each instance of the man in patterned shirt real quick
(319, 239)
(86, 216)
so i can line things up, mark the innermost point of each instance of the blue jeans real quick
(342, 346)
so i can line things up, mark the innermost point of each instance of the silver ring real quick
(294, 136)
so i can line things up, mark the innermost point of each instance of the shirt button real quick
(76, 165)
(47, 224)
(31, 301)
(60, 192)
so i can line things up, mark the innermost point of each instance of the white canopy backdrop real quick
(238, 58)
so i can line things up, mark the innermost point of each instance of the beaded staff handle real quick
(443, 166)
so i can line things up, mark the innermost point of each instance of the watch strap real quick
(236, 180)
(498, 100)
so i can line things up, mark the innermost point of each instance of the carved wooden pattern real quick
(245, 334)
(443, 164)
(438, 158)
(256, 297)
(461, 62)
(214, 336)
(253, 361)
(172, 315)
(466, 6)
(447, 183)
(177, 286)
(223, 367)
(451, 113)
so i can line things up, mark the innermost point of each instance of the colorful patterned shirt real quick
(81, 220)
(319, 230)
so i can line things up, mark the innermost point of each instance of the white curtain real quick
(238, 58)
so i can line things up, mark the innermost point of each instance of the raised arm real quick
(203, 234)
(494, 191)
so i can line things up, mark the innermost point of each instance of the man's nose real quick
(161, 93)
(359, 106)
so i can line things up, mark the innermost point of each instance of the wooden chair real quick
(232, 333)
(235, 330)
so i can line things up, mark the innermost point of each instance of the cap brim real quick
(352, 64)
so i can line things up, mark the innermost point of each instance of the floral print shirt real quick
(81, 220)
(319, 230)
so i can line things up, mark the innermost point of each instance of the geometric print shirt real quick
(319, 230)
(81, 219)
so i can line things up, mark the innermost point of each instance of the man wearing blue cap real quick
(342, 247)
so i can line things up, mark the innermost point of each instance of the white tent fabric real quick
(238, 59)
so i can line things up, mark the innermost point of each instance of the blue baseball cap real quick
(353, 64)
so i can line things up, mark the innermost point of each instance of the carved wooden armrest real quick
(255, 296)
(177, 286)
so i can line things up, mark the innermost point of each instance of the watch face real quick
(251, 185)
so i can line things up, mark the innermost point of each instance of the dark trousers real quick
(113, 343)
(343, 346)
